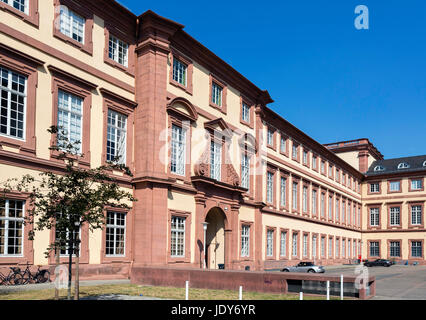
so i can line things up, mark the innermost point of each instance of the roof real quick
(390, 166)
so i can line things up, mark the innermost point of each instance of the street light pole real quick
(205, 224)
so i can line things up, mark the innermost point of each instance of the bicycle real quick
(41, 276)
(13, 278)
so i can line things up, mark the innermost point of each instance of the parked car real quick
(378, 262)
(305, 267)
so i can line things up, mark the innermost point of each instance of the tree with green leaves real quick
(68, 200)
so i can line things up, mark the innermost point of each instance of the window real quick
(294, 200)
(115, 234)
(305, 245)
(305, 157)
(177, 236)
(283, 244)
(394, 186)
(343, 211)
(424, 164)
(416, 215)
(403, 165)
(180, 72)
(323, 167)
(294, 245)
(72, 25)
(322, 246)
(70, 115)
(330, 171)
(283, 144)
(374, 217)
(269, 243)
(314, 247)
(416, 184)
(337, 248)
(11, 227)
(337, 175)
(322, 205)
(217, 94)
(245, 171)
(374, 187)
(416, 249)
(395, 216)
(64, 240)
(330, 207)
(178, 152)
(21, 5)
(270, 137)
(283, 190)
(379, 168)
(245, 112)
(374, 249)
(116, 137)
(330, 246)
(294, 151)
(314, 202)
(314, 162)
(215, 160)
(270, 187)
(395, 249)
(343, 248)
(118, 51)
(245, 241)
(13, 91)
(337, 210)
(305, 199)
(349, 249)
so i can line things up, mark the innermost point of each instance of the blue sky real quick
(329, 79)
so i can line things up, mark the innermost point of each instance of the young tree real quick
(70, 199)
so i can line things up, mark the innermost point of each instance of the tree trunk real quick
(77, 265)
(70, 252)
(57, 252)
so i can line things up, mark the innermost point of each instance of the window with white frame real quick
(305, 245)
(294, 151)
(416, 184)
(115, 234)
(374, 217)
(72, 25)
(314, 201)
(416, 249)
(349, 249)
(215, 160)
(322, 205)
(270, 187)
(349, 213)
(330, 171)
(217, 92)
(270, 137)
(403, 165)
(395, 249)
(337, 210)
(70, 118)
(322, 246)
(416, 215)
(245, 112)
(178, 150)
(305, 157)
(294, 193)
(118, 51)
(314, 162)
(180, 72)
(283, 144)
(354, 244)
(330, 207)
(305, 199)
(343, 248)
(337, 247)
(314, 247)
(13, 100)
(294, 245)
(374, 249)
(283, 191)
(21, 5)
(394, 186)
(245, 171)
(64, 237)
(116, 137)
(269, 243)
(330, 246)
(374, 187)
(245, 241)
(322, 167)
(283, 244)
(11, 227)
(177, 236)
(395, 216)
(343, 211)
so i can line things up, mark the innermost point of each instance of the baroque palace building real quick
(202, 144)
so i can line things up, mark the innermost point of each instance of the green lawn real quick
(157, 292)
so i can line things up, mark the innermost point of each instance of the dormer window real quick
(424, 164)
(379, 168)
(403, 165)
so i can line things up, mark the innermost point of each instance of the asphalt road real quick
(397, 282)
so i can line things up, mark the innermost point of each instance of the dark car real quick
(378, 262)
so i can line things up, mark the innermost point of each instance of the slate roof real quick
(417, 163)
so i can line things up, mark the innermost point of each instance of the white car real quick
(305, 267)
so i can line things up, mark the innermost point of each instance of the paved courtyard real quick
(397, 282)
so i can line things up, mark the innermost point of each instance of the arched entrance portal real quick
(215, 238)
